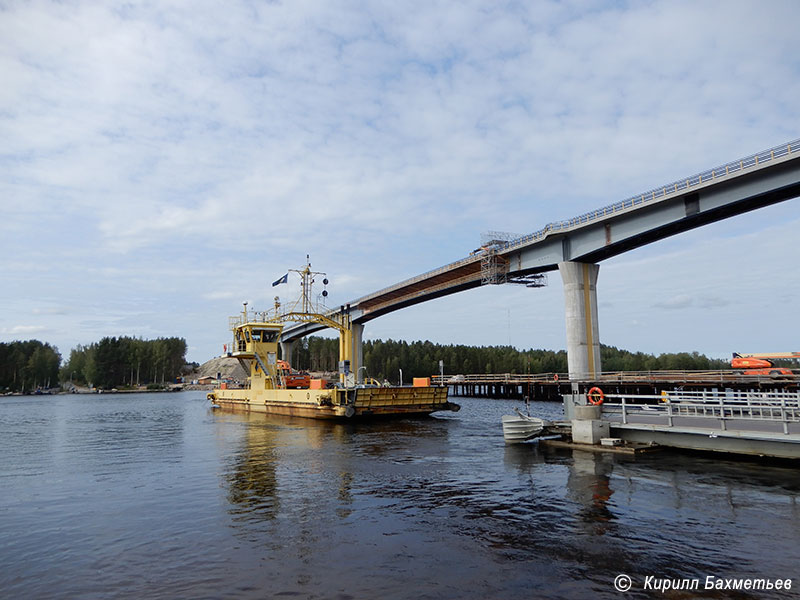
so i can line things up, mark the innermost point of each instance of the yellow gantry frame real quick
(344, 328)
(343, 325)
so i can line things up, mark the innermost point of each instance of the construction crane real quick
(761, 363)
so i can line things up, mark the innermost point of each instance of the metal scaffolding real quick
(493, 267)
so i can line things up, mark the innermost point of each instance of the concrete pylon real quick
(583, 334)
(286, 351)
(358, 352)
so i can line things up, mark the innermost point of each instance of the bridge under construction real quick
(575, 246)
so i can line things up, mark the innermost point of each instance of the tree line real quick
(126, 361)
(115, 362)
(27, 366)
(385, 359)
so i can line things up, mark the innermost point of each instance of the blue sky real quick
(161, 162)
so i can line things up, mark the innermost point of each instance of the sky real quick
(162, 162)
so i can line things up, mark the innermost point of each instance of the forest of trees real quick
(125, 361)
(26, 366)
(384, 359)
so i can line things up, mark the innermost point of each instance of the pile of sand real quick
(228, 368)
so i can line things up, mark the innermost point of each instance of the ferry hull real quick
(337, 403)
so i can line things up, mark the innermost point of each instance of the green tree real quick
(26, 365)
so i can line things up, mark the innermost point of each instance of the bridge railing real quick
(754, 160)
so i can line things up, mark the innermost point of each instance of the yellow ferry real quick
(256, 338)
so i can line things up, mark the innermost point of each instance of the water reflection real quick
(589, 484)
(283, 465)
(677, 514)
(295, 466)
(390, 495)
(587, 490)
(345, 494)
(252, 479)
(198, 503)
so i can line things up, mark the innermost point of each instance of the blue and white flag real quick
(283, 279)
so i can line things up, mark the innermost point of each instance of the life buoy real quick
(595, 396)
(555, 377)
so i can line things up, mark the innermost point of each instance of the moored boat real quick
(519, 428)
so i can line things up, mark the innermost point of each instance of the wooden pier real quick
(551, 386)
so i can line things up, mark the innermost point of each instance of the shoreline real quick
(84, 390)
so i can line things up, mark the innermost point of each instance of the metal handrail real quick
(754, 160)
(758, 159)
(729, 405)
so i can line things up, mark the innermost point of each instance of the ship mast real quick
(306, 281)
(307, 310)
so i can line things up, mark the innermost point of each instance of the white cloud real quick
(24, 330)
(676, 302)
(683, 301)
(220, 295)
(53, 310)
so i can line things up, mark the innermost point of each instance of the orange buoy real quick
(596, 396)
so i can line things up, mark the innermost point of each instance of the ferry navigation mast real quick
(306, 281)
(306, 310)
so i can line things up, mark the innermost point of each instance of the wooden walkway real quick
(550, 386)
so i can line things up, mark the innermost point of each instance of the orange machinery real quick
(761, 364)
(292, 378)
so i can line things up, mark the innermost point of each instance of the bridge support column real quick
(286, 352)
(583, 334)
(358, 352)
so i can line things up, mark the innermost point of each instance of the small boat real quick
(518, 428)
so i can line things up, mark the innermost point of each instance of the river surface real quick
(161, 496)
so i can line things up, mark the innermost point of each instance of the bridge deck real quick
(742, 185)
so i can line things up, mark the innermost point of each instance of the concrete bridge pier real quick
(286, 352)
(583, 334)
(358, 352)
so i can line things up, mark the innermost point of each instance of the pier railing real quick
(704, 408)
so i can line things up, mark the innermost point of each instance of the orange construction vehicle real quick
(761, 364)
(292, 378)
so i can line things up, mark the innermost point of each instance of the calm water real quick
(159, 496)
